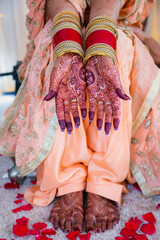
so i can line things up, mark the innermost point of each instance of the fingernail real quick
(69, 132)
(91, 116)
(51, 95)
(84, 113)
(77, 121)
(107, 127)
(69, 127)
(116, 123)
(62, 124)
(121, 95)
(127, 96)
(99, 123)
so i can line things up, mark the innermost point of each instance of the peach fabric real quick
(86, 154)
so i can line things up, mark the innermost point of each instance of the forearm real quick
(154, 48)
(109, 8)
(54, 7)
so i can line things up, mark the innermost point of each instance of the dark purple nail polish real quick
(84, 113)
(99, 123)
(107, 127)
(90, 229)
(67, 231)
(62, 124)
(116, 123)
(127, 96)
(77, 229)
(56, 228)
(69, 127)
(51, 95)
(121, 95)
(91, 116)
(77, 121)
(98, 231)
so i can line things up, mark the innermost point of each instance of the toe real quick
(103, 225)
(68, 225)
(98, 225)
(78, 225)
(109, 224)
(62, 223)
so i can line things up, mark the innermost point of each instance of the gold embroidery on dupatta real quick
(14, 129)
(46, 148)
(140, 154)
(149, 138)
(147, 104)
(136, 5)
(147, 169)
(134, 141)
(147, 123)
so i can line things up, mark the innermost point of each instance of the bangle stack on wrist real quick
(101, 36)
(67, 37)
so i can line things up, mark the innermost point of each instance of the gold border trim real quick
(46, 148)
(136, 5)
(147, 104)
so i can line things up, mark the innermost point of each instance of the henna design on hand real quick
(68, 86)
(105, 90)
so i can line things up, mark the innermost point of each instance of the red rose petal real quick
(33, 232)
(48, 232)
(3, 239)
(19, 195)
(42, 237)
(85, 236)
(11, 185)
(149, 217)
(33, 181)
(148, 228)
(26, 207)
(20, 230)
(73, 234)
(17, 209)
(120, 238)
(127, 232)
(39, 226)
(140, 237)
(18, 201)
(158, 206)
(133, 223)
(136, 186)
(22, 221)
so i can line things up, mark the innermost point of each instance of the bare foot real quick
(67, 212)
(101, 214)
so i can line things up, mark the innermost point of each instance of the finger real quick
(82, 104)
(108, 118)
(67, 117)
(121, 94)
(49, 96)
(100, 113)
(75, 113)
(60, 113)
(116, 105)
(92, 108)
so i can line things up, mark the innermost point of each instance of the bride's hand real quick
(105, 90)
(68, 86)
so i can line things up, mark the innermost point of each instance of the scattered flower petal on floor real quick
(33, 181)
(18, 201)
(120, 238)
(73, 234)
(136, 186)
(39, 226)
(149, 217)
(140, 237)
(42, 237)
(25, 207)
(11, 185)
(148, 228)
(22, 221)
(19, 195)
(133, 223)
(127, 232)
(85, 236)
(48, 232)
(20, 230)
(158, 206)
(33, 232)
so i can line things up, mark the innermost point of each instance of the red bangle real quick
(101, 36)
(67, 34)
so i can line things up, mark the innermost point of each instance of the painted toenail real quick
(77, 229)
(98, 231)
(56, 228)
(68, 231)
(90, 229)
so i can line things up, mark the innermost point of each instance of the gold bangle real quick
(65, 13)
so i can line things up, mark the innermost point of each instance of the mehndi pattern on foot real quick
(101, 214)
(67, 212)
